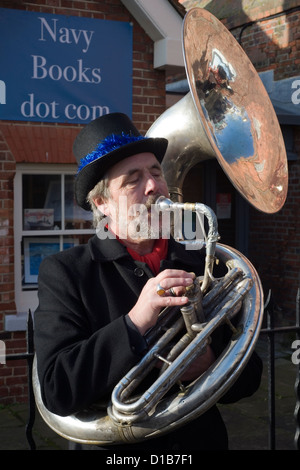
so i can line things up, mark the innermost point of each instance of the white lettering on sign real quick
(2, 92)
(74, 70)
(65, 35)
(43, 110)
(70, 73)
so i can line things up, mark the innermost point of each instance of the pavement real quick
(247, 421)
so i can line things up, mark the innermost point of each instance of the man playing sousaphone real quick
(97, 301)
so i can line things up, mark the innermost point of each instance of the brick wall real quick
(274, 242)
(12, 379)
(274, 44)
(148, 103)
(7, 172)
(274, 249)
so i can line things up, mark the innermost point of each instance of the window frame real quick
(26, 299)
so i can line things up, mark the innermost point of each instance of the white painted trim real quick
(163, 24)
(16, 322)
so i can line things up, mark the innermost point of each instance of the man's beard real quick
(143, 221)
(138, 222)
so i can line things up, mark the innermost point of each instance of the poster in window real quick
(223, 206)
(38, 219)
(36, 249)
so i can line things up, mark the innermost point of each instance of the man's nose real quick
(151, 185)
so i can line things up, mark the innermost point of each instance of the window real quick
(47, 220)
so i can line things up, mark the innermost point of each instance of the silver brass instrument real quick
(226, 115)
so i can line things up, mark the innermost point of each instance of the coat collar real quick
(106, 250)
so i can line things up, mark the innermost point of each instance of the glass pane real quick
(41, 202)
(75, 216)
(35, 249)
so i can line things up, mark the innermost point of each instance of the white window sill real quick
(16, 322)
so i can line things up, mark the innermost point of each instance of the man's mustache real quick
(152, 200)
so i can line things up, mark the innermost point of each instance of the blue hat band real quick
(109, 144)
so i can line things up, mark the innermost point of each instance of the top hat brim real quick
(93, 172)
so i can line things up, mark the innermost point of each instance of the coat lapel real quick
(136, 273)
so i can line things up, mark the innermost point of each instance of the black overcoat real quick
(83, 343)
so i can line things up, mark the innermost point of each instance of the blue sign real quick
(58, 68)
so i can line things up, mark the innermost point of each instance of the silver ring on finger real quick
(172, 292)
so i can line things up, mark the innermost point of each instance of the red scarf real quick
(154, 258)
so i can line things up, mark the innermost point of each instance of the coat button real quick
(139, 272)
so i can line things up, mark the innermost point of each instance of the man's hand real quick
(145, 312)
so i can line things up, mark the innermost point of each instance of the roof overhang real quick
(40, 144)
(163, 24)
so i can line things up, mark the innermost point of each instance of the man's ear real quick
(101, 205)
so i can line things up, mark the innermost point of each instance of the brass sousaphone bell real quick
(226, 115)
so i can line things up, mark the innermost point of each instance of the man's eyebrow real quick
(135, 170)
(132, 171)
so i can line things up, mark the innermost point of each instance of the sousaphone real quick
(227, 115)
